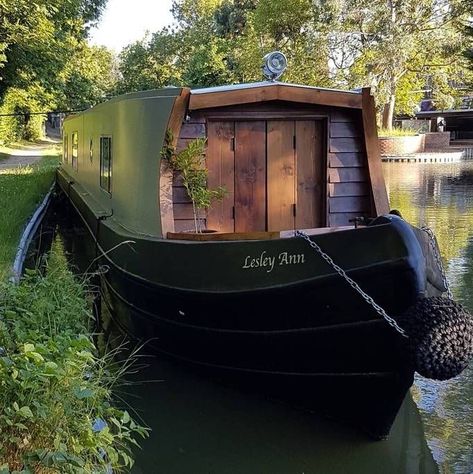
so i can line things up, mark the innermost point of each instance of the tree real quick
(395, 39)
(45, 61)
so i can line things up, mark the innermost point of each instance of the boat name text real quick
(268, 262)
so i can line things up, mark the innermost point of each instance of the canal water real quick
(441, 196)
(203, 426)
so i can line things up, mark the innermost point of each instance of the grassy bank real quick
(57, 409)
(21, 190)
(58, 413)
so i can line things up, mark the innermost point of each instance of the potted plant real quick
(190, 163)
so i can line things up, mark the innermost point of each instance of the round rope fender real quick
(440, 337)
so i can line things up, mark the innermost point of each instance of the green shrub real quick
(397, 132)
(56, 394)
(23, 125)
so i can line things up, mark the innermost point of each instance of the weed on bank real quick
(58, 413)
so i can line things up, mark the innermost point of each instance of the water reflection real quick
(441, 196)
(202, 426)
(199, 425)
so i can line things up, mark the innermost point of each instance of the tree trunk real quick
(388, 113)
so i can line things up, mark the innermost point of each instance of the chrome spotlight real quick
(274, 65)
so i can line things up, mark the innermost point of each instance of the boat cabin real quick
(289, 156)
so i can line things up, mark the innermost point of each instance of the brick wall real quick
(394, 146)
(437, 141)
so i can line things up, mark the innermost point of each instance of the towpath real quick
(27, 154)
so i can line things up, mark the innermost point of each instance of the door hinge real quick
(232, 144)
(233, 212)
(294, 210)
(294, 142)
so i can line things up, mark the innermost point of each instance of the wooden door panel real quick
(250, 176)
(281, 174)
(221, 166)
(310, 174)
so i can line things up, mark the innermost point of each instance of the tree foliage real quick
(399, 47)
(44, 56)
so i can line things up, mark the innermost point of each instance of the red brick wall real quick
(394, 146)
(437, 140)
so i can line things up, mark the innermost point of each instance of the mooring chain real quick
(352, 283)
(438, 259)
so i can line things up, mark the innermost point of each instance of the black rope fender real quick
(440, 339)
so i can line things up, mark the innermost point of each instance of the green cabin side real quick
(135, 127)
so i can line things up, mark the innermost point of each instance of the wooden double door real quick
(273, 171)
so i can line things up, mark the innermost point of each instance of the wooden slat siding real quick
(347, 175)
(250, 176)
(182, 143)
(344, 115)
(345, 145)
(192, 130)
(165, 173)
(378, 186)
(345, 130)
(275, 92)
(184, 211)
(184, 225)
(348, 204)
(221, 167)
(196, 124)
(281, 174)
(309, 174)
(343, 219)
(348, 189)
(268, 110)
(346, 160)
(180, 196)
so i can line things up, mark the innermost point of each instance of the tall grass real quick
(396, 132)
(21, 189)
(57, 409)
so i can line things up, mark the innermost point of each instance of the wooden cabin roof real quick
(270, 91)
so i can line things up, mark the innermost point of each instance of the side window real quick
(106, 163)
(65, 153)
(75, 149)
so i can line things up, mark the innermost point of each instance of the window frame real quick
(75, 157)
(106, 178)
(91, 149)
(65, 150)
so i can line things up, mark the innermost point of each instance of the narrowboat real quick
(254, 300)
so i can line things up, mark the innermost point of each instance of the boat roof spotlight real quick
(274, 65)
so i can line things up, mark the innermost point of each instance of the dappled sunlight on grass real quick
(18, 171)
(21, 190)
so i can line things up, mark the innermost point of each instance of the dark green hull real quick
(273, 312)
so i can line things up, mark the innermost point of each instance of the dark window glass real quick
(91, 150)
(75, 149)
(65, 155)
(106, 163)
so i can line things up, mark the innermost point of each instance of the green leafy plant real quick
(58, 410)
(190, 163)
